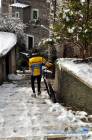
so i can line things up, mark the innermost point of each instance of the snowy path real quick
(32, 118)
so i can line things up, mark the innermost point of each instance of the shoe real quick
(33, 95)
(39, 93)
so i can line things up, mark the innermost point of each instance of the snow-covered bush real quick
(15, 25)
(12, 24)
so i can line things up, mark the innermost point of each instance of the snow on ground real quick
(24, 116)
(7, 41)
(81, 70)
(15, 76)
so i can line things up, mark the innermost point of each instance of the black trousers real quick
(38, 78)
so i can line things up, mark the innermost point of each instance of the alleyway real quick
(22, 116)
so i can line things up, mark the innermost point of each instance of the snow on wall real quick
(82, 71)
(7, 42)
(19, 5)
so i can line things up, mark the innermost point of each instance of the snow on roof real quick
(82, 71)
(19, 5)
(7, 41)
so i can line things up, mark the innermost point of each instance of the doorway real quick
(30, 42)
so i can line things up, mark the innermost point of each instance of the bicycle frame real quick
(48, 85)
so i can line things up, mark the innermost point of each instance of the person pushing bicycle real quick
(36, 62)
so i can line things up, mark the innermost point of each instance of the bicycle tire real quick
(50, 91)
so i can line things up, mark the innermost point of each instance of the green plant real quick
(75, 24)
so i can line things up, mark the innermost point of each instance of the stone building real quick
(33, 13)
(7, 55)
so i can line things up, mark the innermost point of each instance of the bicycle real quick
(48, 85)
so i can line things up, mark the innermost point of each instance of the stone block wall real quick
(42, 6)
(38, 32)
(7, 65)
(12, 61)
(73, 91)
(62, 138)
(1, 71)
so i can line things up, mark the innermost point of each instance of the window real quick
(17, 14)
(35, 14)
(10, 10)
(15, 1)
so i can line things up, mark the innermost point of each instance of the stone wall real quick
(13, 61)
(43, 7)
(1, 69)
(60, 138)
(72, 91)
(39, 32)
(7, 65)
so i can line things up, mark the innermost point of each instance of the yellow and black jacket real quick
(35, 64)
